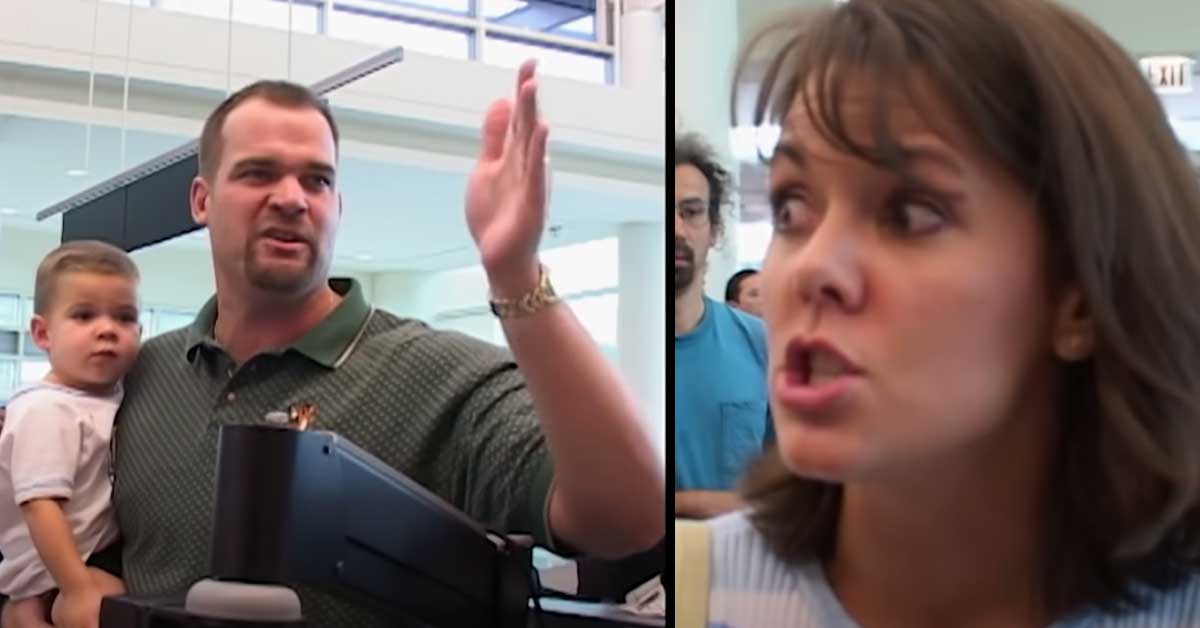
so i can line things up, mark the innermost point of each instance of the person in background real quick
(721, 418)
(744, 291)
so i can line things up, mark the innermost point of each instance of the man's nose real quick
(288, 195)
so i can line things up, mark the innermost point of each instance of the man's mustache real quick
(683, 250)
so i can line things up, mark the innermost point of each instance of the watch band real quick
(540, 298)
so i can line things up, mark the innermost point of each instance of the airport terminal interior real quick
(98, 97)
(92, 89)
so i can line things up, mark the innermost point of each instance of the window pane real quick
(559, 18)
(8, 342)
(390, 31)
(10, 310)
(457, 7)
(30, 348)
(583, 28)
(575, 65)
(496, 9)
(273, 13)
(26, 312)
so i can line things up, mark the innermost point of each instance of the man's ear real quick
(40, 332)
(1074, 334)
(198, 199)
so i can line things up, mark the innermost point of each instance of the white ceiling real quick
(396, 217)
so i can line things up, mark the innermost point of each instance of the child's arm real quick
(55, 543)
(79, 603)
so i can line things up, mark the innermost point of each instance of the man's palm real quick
(506, 194)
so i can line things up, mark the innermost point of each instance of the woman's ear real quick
(1074, 335)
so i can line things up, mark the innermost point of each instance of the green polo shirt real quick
(447, 410)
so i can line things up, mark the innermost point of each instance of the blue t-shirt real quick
(721, 417)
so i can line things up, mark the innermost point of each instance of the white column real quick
(706, 46)
(641, 331)
(641, 46)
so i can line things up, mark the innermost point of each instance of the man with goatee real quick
(721, 418)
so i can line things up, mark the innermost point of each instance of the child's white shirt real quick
(55, 443)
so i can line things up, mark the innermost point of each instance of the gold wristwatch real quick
(542, 297)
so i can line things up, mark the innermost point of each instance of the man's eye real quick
(319, 181)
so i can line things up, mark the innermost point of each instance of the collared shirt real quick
(447, 410)
(721, 416)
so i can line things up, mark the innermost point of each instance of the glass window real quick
(391, 31)
(9, 342)
(10, 310)
(272, 13)
(505, 52)
(559, 18)
(583, 28)
(26, 312)
(457, 7)
(29, 348)
(496, 9)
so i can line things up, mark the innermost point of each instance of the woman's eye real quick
(916, 217)
(790, 212)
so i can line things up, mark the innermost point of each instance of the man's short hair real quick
(85, 256)
(733, 288)
(280, 93)
(692, 149)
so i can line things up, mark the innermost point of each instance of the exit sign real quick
(1169, 74)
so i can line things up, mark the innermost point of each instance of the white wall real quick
(445, 95)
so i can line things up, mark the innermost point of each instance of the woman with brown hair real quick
(984, 337)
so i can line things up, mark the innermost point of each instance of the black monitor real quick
(312, 508)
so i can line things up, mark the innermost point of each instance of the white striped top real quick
(751, 588)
